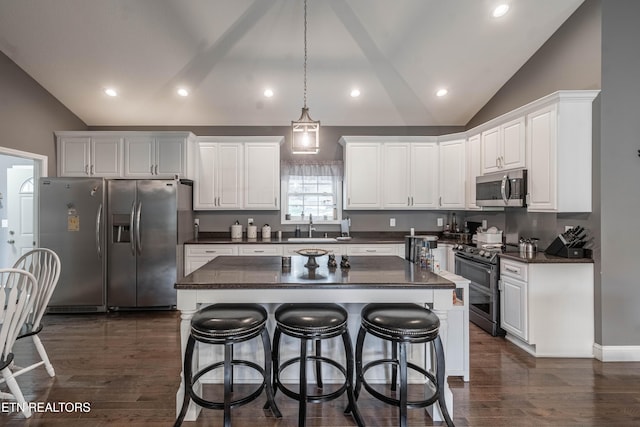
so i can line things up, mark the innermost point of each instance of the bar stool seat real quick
(314, 322)
(402, 324)
(227, 324)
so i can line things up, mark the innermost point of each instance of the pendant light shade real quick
(305, 132)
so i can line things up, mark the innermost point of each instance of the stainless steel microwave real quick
(503, 189)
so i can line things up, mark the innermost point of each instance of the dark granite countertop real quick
(215, 238)
(543, 258)
(242, 272)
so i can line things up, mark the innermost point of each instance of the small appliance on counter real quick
(491, 235)
(569, 244)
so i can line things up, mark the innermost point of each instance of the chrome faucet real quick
(311, 228)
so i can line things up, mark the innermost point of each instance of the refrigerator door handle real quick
(138, 240)
(98, 227)
(131, 228)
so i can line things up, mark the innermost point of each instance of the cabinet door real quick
(396, 176)
(204, 184)
(424, 176)
(106, 155)
(452, 174)
(473, 170)
(74, 156)
(229, 175)
(490, 150)
(513, 144)
(170, 157)
(513, 307)
(262, 175)
(362, 176)
(139, 157)
(541, 160)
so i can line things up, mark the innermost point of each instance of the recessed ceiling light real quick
(442, 92)
(268, 93)
(355, 93)
(111, 92)
(500, 10)
(183, 92)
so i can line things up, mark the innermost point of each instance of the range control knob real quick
(481, 253)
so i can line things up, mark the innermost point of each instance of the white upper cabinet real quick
(452, 174)
(503, 147)
(424, 175)
(155, 155)
(236, 173)
(218, 183)
(362, 173)
(262, 175)
(86, 154)
(473, 170)
(410, 175)
(559, 153)
(396, 181)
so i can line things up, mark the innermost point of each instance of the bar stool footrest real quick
(396, 402)
(237, 402)
(313, 398)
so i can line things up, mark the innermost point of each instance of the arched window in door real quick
(27, 186)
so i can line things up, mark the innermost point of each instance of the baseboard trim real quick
(617, 353)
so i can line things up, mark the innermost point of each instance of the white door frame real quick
(40, 169)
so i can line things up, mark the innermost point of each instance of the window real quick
(311, 189)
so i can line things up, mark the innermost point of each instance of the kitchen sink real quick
(312, 239)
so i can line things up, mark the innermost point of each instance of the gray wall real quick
(29, 114)
(620, 172)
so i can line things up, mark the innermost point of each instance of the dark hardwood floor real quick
(127, 365)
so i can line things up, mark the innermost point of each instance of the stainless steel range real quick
(479, 264)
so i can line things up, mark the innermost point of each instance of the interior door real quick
(20, 218)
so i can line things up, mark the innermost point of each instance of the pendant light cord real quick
(305, 53)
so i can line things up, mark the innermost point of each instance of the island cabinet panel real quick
(198, 255)
(547, 308)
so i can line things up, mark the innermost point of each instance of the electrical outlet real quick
(568, 227)
(484, 224)
(392, 222)
(250, 221)
(440, 222)
(196, 221)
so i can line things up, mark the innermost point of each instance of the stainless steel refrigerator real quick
(71, 222)
(148, 222)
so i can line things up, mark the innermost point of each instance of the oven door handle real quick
(473, 262)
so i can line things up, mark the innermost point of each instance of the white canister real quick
(252, 232)
(266, 232)
(236, 232)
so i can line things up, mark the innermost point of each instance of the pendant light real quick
(305, 132)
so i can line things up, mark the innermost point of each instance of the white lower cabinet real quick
(195, 256)
(376, 250)
(547, 309)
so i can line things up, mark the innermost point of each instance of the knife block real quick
(558, 248)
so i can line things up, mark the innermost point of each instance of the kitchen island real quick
(263, 280)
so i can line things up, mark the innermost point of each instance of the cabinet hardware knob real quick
(11, 242)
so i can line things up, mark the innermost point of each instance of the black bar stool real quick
(227, 324)
(402, 324)
(314, 322)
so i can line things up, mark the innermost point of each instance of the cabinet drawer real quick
(260, 250)
(210, 250)
(517, 270)
(372, 250)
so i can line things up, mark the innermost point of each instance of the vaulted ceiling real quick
(226, 53)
